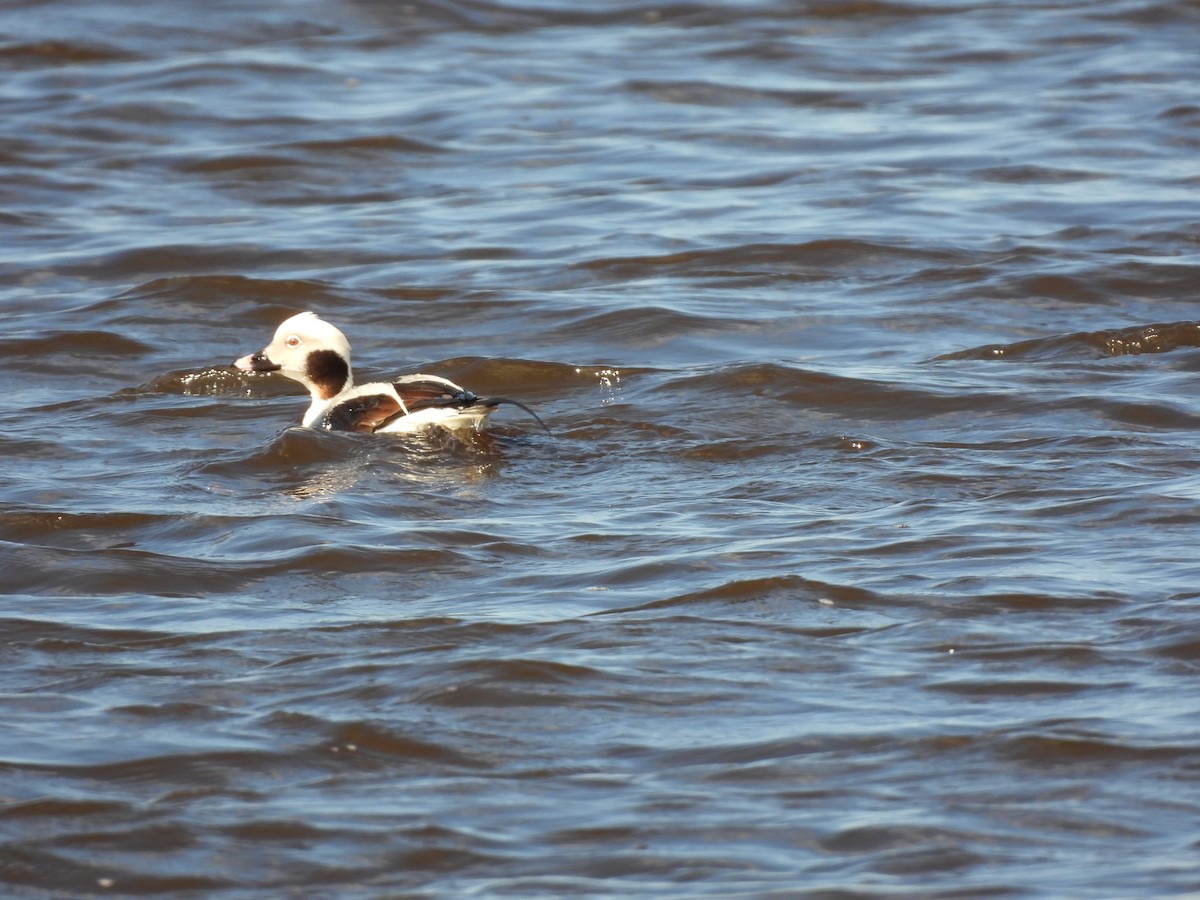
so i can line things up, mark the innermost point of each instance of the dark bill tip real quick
(255, 362)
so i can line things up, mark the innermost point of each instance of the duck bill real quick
(256, 362)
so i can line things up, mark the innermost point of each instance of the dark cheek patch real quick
(328, 371)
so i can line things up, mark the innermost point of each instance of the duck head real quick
(309, 350)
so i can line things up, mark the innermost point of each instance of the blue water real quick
(859, 562)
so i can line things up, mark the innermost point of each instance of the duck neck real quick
(328, 374)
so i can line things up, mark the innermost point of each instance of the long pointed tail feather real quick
(496, 401)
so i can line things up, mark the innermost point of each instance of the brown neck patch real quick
(329, 371)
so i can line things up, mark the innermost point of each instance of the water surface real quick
(861, 561)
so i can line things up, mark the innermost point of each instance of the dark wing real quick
(363, 414)
(418, 395)
(432, 393)
(370, 412)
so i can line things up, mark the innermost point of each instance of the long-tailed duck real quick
(311, 351)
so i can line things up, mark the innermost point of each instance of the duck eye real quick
(293, 341)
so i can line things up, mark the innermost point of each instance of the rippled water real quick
(860, 563)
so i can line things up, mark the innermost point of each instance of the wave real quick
(1132, 340)
(810, 260)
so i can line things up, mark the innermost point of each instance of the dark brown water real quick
(862, 562)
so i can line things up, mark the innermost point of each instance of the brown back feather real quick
(371, 412)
